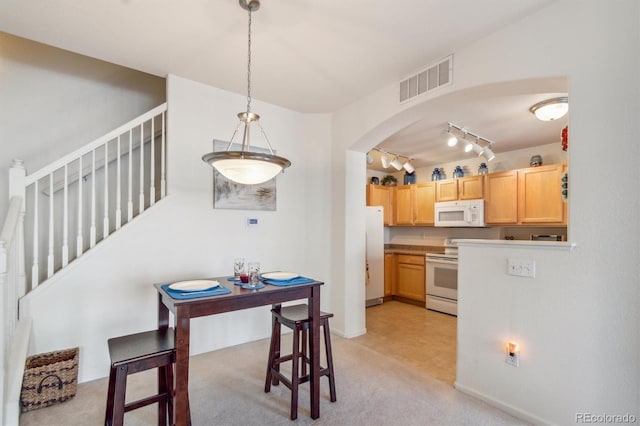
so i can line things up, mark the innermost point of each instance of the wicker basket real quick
(49, 378)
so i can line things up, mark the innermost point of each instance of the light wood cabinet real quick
(403, 208)
(501, 198)
(447, 190)
(410, 277)
(470, 187)
(540, 195)
(465, 188)
(423, 203)
(379, 195)
(389, 274)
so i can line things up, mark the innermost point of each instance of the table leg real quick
(181, 411)
(163, 314)
(314, 350)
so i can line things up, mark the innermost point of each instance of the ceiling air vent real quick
(437, 75)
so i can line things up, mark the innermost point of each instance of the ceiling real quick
(307, 55)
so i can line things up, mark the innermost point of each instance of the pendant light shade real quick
(246, 166)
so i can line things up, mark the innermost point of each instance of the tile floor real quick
(418, 337)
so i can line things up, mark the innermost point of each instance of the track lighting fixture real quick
(409, 167)
(396, 163)
(384, 159)
(391, 159)
(481, 146)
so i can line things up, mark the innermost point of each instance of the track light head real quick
(384, 159)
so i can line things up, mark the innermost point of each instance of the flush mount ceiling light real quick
(551, 109)
(481, 146)
(246, 166)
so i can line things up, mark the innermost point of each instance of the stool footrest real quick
(134, 405)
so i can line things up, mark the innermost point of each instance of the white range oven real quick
(442, 281)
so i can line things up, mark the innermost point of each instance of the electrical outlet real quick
(513, 359)
(521, 268)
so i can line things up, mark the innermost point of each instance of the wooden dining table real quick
(238, 299)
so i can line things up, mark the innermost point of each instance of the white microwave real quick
(460, 213)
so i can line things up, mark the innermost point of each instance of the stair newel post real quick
(163, 182)
(18, 188)
(50, 248)
(130, 177)
(105, 222)
(141, 201)
(79, 239)
(118, 189)
(65, 219)
(152, 164)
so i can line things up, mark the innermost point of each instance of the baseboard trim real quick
(514, 411)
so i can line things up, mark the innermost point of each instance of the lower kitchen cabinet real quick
(389, 274)
(410, 280)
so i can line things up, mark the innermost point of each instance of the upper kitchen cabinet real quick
(447, 190)
(501, 198)
(465, 188)
(423, 203)
(404, 205)
(414, 204)
(540, 195)
(380, 195)
(470, 188)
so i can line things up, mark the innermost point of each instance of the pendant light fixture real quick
(246, 166)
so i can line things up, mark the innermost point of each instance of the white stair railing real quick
(74, 203)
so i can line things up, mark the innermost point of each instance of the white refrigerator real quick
(374, 279)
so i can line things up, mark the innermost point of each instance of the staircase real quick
(61, 211)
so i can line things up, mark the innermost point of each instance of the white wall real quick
(52, 102)
(184, 237)
(596, 46)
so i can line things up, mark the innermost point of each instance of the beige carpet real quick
(226, 388)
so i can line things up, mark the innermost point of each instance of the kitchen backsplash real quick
(430, 236)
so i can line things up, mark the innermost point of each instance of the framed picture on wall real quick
(236, 196)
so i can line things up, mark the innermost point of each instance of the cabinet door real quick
(540, 196)
(404, 205)
(470, 188)
(447, 190)
(423, 203)
(389, 274)
(378, 195)
(501, 198)
(410, 277)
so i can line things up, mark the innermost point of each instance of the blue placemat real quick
(292, 281)
(184, 295)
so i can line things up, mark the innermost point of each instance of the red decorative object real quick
(565, 138)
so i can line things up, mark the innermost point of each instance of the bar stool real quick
(132, 354)
(297, 318)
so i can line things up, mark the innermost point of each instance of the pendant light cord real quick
(249, 67)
